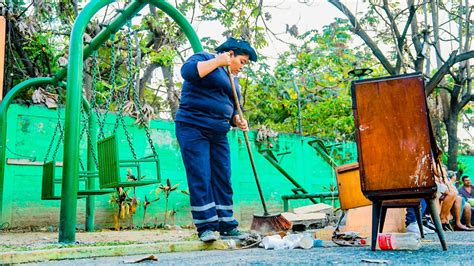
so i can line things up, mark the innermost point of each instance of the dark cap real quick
(238, 46)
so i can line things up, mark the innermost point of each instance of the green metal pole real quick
(91, 167)
(268, 155)
(90, 200)
(67, 220)
(3, 127)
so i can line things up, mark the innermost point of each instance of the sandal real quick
(447, 227)
(464, 228)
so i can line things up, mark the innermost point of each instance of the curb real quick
(108, 251)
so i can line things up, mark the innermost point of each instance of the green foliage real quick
(318, 68)
(36, 38)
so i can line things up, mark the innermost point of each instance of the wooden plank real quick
(2, 52)
(27, 162)
(313, 208)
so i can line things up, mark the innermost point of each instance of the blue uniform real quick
(202, 122)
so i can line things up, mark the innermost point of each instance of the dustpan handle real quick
(247, 143)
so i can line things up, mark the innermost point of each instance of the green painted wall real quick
(30, 132)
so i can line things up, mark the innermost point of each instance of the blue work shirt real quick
(209, 101)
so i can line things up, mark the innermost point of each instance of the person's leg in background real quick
(466, 214)
(410, 220)
(447, 203)
(457, 209)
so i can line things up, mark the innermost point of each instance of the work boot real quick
(208, 236)
(233, 234)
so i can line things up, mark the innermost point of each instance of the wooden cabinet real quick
(393, 137)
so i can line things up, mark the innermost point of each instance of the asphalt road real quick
(460, 252)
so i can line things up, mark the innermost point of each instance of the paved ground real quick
(21, 241)
(460, 252)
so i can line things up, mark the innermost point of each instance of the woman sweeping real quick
(205, 115)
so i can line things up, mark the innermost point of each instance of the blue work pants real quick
(206, 157)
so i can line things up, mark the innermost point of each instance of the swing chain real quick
(84, 123)
(112, 90)
(93, 103)
(61, 130)
(138, 103)
(127, 89)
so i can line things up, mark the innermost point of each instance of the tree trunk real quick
(171, 91)
(452, 130)
(87, 85)
(147, 74)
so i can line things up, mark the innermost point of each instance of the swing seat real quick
(110, 175)
(50, 182)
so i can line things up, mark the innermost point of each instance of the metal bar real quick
(268, 155)
(91, 172)
(308, 196)
(317, 145)
(27, 162)
(138, 161)
(300, 126)
(2, 52)
(285, 205)
(67, 221)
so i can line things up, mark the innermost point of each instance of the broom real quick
(267, 222)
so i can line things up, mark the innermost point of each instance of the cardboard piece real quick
(314, 208)
(360, 220)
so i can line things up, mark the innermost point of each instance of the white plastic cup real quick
(273, 242)
(292, 240)
(306, 242)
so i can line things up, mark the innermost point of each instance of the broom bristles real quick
(270, 223)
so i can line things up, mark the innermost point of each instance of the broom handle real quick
(247, 143)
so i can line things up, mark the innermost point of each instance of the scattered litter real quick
(318, 243)
(273, 242)
(151, 257)
(290, 241)
(348, 239)
(252, 240)
(231, 243)
(375, 261)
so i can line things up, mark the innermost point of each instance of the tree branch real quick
(416, 41)
(362, 34)
(444, 69)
